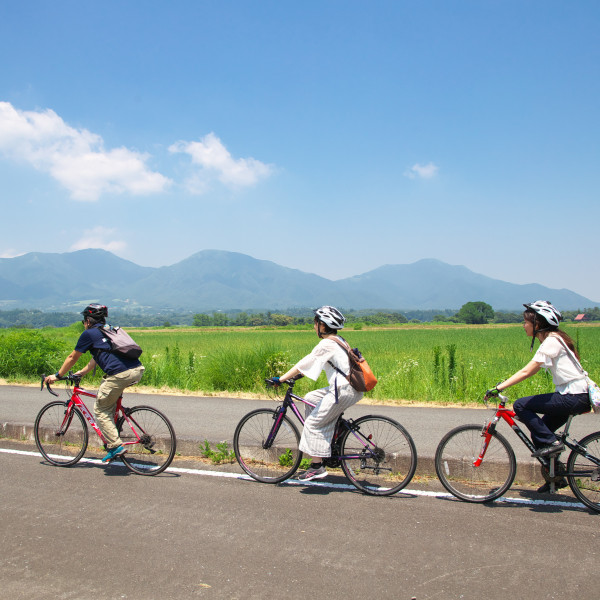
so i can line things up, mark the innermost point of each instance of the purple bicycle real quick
(375, 453)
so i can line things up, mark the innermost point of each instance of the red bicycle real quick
(477, 464)
(61, 432)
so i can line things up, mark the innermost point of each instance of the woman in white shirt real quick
(571, 395)
(330, 401)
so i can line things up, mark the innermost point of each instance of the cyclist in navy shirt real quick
(119, 373)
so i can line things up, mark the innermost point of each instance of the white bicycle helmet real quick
(546, 310)
(331, 316)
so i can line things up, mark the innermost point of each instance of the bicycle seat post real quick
(564, 434)
(551, 473)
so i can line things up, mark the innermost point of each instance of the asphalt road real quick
(95, 532)
(196, 419)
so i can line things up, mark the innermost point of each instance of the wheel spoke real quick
(62, 441)
(584, 474)
(150, 440)
(379, 458)
(455, 461)
(267, 461)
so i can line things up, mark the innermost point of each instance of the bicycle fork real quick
(68, 418)
(278, 418)
(486, 433)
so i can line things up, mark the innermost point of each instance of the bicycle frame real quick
(507, 415)
(288, 402)
(75, 401)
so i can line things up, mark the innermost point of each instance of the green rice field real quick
(417, 363)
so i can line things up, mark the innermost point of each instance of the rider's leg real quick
(319, 426)
(572, 404)
(552, 406)
(110, 389)
(556, 409)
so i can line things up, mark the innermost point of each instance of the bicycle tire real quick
(454, 458)
(583, 475)
(156, 448)
(267, 465)
(389, 461)
(66, 449)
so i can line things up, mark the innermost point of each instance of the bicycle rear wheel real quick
(454, 459)
(378, 455)
(272, 464)
(149, 438)
(584, 475)
(61, 440)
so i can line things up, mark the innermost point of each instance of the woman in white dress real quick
(331, 401)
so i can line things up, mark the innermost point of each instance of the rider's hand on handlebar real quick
(49, 379)
(493, 393)
(273, 382)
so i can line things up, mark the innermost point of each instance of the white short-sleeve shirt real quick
(318, 360)
(566, 376)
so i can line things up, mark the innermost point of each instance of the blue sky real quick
(332, 137)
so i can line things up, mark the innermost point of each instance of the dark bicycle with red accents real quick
(376, 453)
(61, 432)
(477, 464)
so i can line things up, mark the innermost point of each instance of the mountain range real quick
(213, 280)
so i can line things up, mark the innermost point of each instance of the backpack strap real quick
(346, 346)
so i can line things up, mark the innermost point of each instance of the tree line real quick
(470, 313)
(481, 313)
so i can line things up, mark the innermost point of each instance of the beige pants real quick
(110, 389)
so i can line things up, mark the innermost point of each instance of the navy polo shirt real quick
(99, 346)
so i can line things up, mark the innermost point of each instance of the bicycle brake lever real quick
(49, 388)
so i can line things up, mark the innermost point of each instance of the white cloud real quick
(10, 253)
(214, 159)
(422, 171)
(76, 158)
(99, 237)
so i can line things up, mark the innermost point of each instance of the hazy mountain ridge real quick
(218, 280)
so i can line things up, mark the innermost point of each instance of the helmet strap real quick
(319, 329)
(535, 330)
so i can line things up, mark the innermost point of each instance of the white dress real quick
(320, 420)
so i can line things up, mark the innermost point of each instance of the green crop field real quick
(419, 363)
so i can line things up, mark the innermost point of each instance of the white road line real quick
(324, 484)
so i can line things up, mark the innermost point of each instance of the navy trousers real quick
(556, 409)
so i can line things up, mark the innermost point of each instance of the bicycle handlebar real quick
(47, 386)
(502, 400)
(71, 378)
(276, 382)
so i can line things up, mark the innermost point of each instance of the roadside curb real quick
(528, 472)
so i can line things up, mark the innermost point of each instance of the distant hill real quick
(218, 280)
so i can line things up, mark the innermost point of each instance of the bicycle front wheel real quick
(454, 463)
(267, 461)
(149, 439)
(583, 474)
(378, 455)
(61, 436)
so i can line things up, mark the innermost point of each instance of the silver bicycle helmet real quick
(546, 310)
(331, 316)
